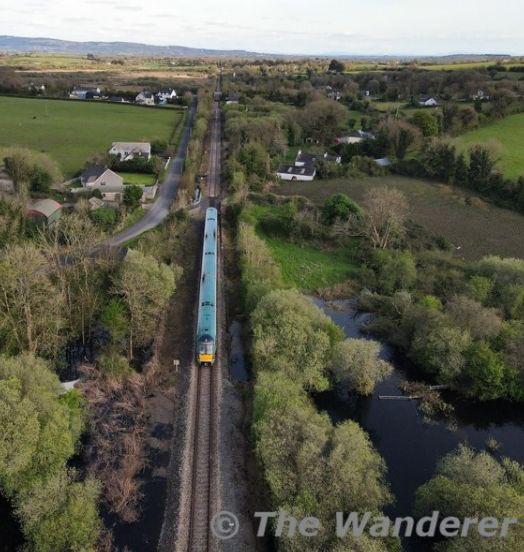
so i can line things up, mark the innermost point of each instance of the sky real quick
(372, 27)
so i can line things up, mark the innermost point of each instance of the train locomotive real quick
(206, 344)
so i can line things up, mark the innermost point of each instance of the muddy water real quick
(410, 446)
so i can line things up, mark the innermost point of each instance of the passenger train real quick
(206, 344)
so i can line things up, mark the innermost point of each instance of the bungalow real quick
(292, 172)
(85, 93)
(355, 137)
(166, 94)
(145, 98)
(44, 211)
(97, 176)
(428, 101)
(126, 151)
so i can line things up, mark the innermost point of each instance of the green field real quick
(308, 268)
(72, 132)
(476, 227)
(303, 267)
(139, 179)
(509, 133)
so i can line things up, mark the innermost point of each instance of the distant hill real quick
(18, 44)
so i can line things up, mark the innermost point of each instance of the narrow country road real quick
(167, 190)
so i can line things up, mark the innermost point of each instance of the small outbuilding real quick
(46, 211)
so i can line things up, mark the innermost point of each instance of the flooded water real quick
(237, 368)
(11, 536)
(411, 446)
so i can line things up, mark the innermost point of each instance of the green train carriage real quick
(206, 345)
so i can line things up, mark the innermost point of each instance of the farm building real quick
(126, 151)
(46, 211)
(292, 172)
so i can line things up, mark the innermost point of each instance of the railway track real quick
(200, 514)
(204, 469)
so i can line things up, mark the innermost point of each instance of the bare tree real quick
(31, 303)
(386, 211)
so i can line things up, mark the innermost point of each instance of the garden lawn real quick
(139, 179)
(74, 131)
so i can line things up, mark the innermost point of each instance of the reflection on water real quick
(238, 368)
(410, 446)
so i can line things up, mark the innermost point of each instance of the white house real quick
(126, 151)
(292, 172)
(428, 102)
(145, 98)
(165, 94)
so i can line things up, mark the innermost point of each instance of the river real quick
(410, 445)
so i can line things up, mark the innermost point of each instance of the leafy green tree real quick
(357, 364)
(323, 120)
(132, 196)
(481, 167)
(439, 159)
(426, 122)
(255, 158)
(396, 270)
(105, 217)
(479, 288)
(145, 286)
(400, 136)
(114, 319)
(339, 207)
(484, 373)
(19, 428)
(260, 274)
(481, 322)
(470, 484)
(461, 171)
(61, 514)
(39, 428)
(336, 66)
(292, 334)
(437, 347)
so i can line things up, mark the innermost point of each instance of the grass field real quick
(73, 131)
(138, 178)
(509, 133)
(303, 267)
(308, 268)
(478, 228)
